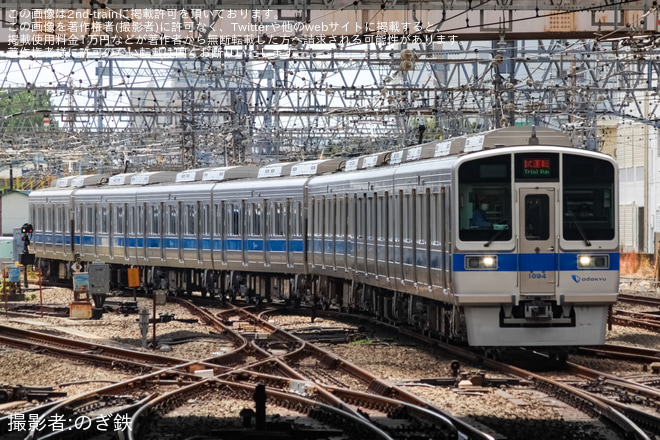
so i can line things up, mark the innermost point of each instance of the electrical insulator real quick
(407, 60)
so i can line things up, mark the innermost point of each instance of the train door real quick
(538, 240)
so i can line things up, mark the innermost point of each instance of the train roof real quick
(527, 136)
(307, 168)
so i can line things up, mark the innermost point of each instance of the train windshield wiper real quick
(492, 239)
(579, 228)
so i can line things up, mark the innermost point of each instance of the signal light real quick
(27, 229)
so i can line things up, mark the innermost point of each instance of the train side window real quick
(48, 223)
(229, 219)
(140, 220)
(294, 219)
(254, 216)
(369, 217)
(131, 220)
(381, 218)
(421, 217)
(57, 213)
(234, 219)
(278, 219)
(205, 220)
(352, 202)
(191, 220)
(392, 217)
(154, 216)
(184, 219)
(299, 220)
(329, 217)
(89, 219)
(173, 220)
(407, 215)
(118, 226)
(218, 220)
(359, 211)
(435, 219)
(104, 220)
(340, 217)
(318, 212)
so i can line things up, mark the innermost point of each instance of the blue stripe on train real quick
(534, 262)
(273, 245)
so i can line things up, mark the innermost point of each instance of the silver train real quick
(506, 238)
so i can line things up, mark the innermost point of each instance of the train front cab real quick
(543, 267)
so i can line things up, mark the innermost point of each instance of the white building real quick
(13, 211)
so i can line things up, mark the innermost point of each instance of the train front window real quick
(484, 191)
(588, 199)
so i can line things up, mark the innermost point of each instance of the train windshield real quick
(588, 196)
(484, 191)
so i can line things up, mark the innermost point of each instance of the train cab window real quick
(484, 199)
(588, 211)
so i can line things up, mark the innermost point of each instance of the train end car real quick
(536, 255)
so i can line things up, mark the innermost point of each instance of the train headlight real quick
(593, 261)
(481, 262)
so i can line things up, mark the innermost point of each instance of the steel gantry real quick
(161, 108)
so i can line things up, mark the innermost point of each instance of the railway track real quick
(99, 354)
(636, 299)
(265, 354)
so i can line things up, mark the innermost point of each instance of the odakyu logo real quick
(577, 279)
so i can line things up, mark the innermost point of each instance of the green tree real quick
(24, 110)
